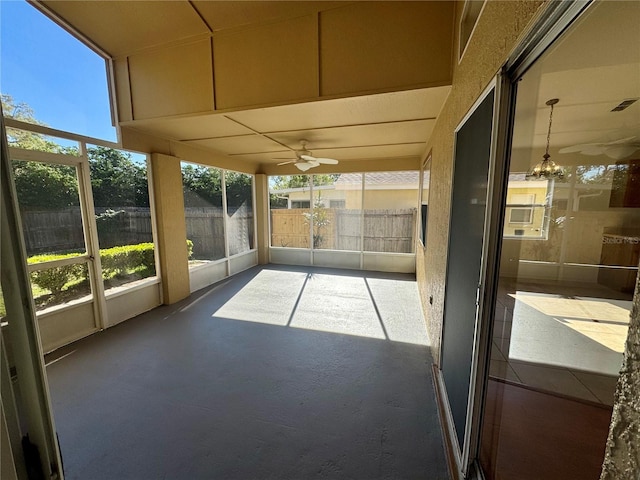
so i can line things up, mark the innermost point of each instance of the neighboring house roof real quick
(300, 189)
(382, 178)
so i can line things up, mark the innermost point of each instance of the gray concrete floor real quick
(277, 373)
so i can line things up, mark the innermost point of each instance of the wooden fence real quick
(205, 228)
(389, 231)
(48, 231)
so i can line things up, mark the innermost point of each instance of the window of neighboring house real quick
(524, 217)
(520, 215)
(300, 204)
(49, 77)
(337, 203)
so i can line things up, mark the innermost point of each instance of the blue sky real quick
(63, 81)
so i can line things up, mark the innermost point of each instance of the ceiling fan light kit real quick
(305, 160)
(547, 168)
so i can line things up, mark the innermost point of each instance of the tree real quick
(202, 186)
(320, 218)
(239, 190)
(42, 186)
(20, 138)
(116, 180)
(297, 181)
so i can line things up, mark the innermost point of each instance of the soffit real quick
(120, 27)
(225, 15)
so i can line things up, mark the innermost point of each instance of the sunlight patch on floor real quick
(380, 308)
(585, 334)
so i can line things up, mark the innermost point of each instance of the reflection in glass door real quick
(52, 210)
(570, 254)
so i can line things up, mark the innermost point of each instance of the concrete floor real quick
(276, 373)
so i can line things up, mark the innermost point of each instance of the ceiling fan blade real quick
(596, 149)
(285, 163)
(622, 140)
(577, 148)
(328, 161)
(619, 152)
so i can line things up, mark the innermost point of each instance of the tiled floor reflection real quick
(566, 339)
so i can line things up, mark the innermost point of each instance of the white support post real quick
(362, 223)
(225, 220)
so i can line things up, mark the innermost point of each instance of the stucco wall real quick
(497, 32)
(622, 455)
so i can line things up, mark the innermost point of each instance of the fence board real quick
(389, 231)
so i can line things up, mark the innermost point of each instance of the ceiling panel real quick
(241, 144)
(387, 107)
(224, 15)
(140, 23)
(193, 128)
(360, 135)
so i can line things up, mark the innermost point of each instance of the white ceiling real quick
(389, 125)
(591, 70)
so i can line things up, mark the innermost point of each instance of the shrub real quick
(119, 260)
(115, 261)
(55, 278)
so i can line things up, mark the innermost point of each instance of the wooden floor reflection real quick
(533, 435)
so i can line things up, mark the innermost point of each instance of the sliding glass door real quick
(570, 252)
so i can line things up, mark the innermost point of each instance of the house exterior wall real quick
(390, 199)
(377, 199)
(497, 32)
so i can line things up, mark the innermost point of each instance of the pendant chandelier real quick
(547, 168)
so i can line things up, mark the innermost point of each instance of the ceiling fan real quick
(618, 149)
(304, 160)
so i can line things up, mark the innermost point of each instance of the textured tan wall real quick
(496, 33)
(172, 229)
(622, 454)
